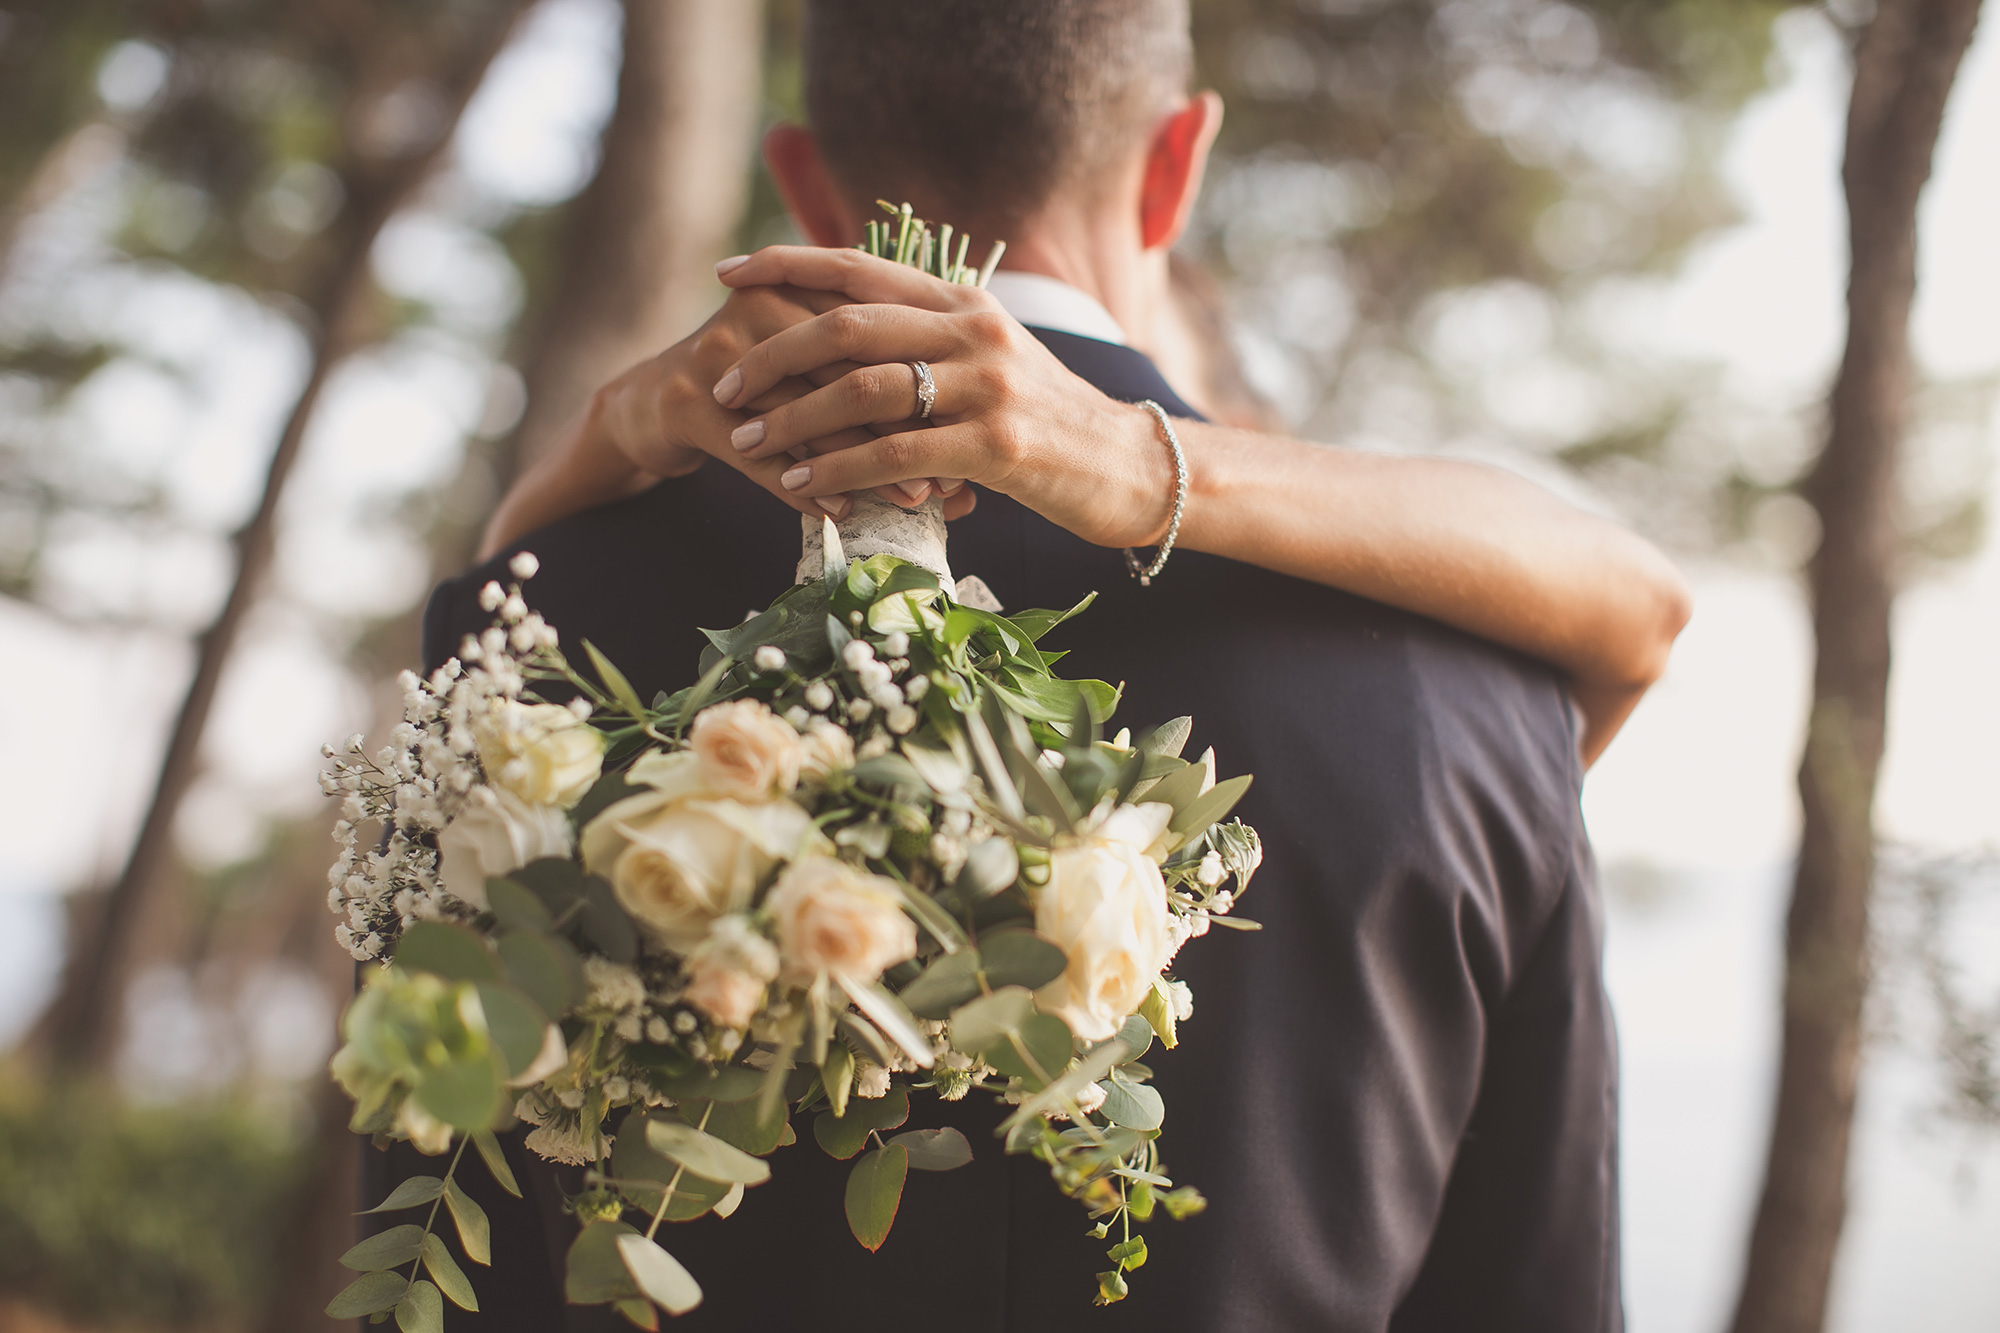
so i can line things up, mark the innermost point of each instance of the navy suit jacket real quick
(1399, 1096)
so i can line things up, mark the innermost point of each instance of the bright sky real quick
(1699, 788)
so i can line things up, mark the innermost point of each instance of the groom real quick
(1399, 1096)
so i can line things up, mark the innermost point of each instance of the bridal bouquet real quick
(878, 848)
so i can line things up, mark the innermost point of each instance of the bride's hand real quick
(1008, 415)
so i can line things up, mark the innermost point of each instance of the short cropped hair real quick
(983, 109)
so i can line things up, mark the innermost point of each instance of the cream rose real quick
(679, 867)
(833, 918)
(496, 832)
(728, 971)
(543, 753)
(1105, 906)
(824, 749)
(745, 750)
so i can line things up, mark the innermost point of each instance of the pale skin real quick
(802, 382)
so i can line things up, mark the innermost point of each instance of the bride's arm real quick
(1468, 545)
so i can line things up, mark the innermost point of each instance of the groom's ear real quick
(1175, 160)
(822, 212)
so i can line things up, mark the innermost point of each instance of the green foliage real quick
(113, 1210)
(874, 1191)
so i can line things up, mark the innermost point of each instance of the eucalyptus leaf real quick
(516, 1024)
(1020, 958)
(945, 985)
(455, 953)
(888, 1013)
(444, 1271)
(659, 1275)
(495, 1159)
(990, 866)
(606, 924)
(1133, 1105)
(639, 1313)
(475, 1233)
(1180, 788)
(385, 1249)
(408, 1194)
(935, 1149)
(983, 1022)
(1169, 738)
(368, 1294)
(465, 1095)
(732, 1083)
(704, 1154)
(844, 1136)
(421, 1310)
(546, 969)
(1036, 1053)
(1137, 1034)
(595, 1272)
(1129, 1254)
(516, 906)
(738, 1123)
(874, 1191)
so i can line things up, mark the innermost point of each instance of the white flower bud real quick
(857, 652)
(897, 643)
(798, 717)
(859, 709)
(916, 687)
(524, 565)
(684, 1022)
(902, 719)
(768, 658)
(1210, 872)
(491, 596)
(513, 609)
(819, 696)
(656, 1030)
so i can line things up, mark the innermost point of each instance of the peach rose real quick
(745, 750)
(728, 971)
(835, 919)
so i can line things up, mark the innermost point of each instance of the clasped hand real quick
(812, 396)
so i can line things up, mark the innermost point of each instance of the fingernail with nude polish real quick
(834, 505)
(950, 485)
(730, 264)
(747, 436)
(916, 490)
(728, 387)
(795, 479)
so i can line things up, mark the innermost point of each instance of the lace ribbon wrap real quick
(876, 527)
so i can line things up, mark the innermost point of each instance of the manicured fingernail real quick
(950, 485)
(796, 478)
(730, 264)
(728, 387)
(748, 435)
(834, 505)
(916, 490)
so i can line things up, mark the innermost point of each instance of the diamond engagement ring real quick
(926, 391)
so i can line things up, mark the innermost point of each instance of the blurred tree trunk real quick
(81, 1026)
(1904, 63)
(635, 269)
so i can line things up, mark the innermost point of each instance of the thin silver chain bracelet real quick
(1140, 570)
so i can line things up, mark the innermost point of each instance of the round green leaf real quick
(1043, 1039)
(545, 968)
(516, 906)
(465, 1095)
(1137, 1035)
(595, 1272)
(874, 1191)
(704, 1154)
(737, 1124)
(979, 1024)
(659, 1275)
(943, 986)
(1020, 958)
(935, 1149)
(1133, 1105)
(516, 1024)
(455, 953)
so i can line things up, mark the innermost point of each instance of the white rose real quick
(543, 753)
(495, 833)
(728, 971)
(836, 919)
(745, 750)
(1105, 906)
(678, 866)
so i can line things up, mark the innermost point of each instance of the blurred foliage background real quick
(289, 289)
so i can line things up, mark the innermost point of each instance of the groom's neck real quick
(1098, 252)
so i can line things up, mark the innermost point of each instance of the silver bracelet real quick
(1144, 572)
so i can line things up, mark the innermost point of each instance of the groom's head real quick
(985, 113)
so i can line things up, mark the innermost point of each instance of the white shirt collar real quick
(1050, 303)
